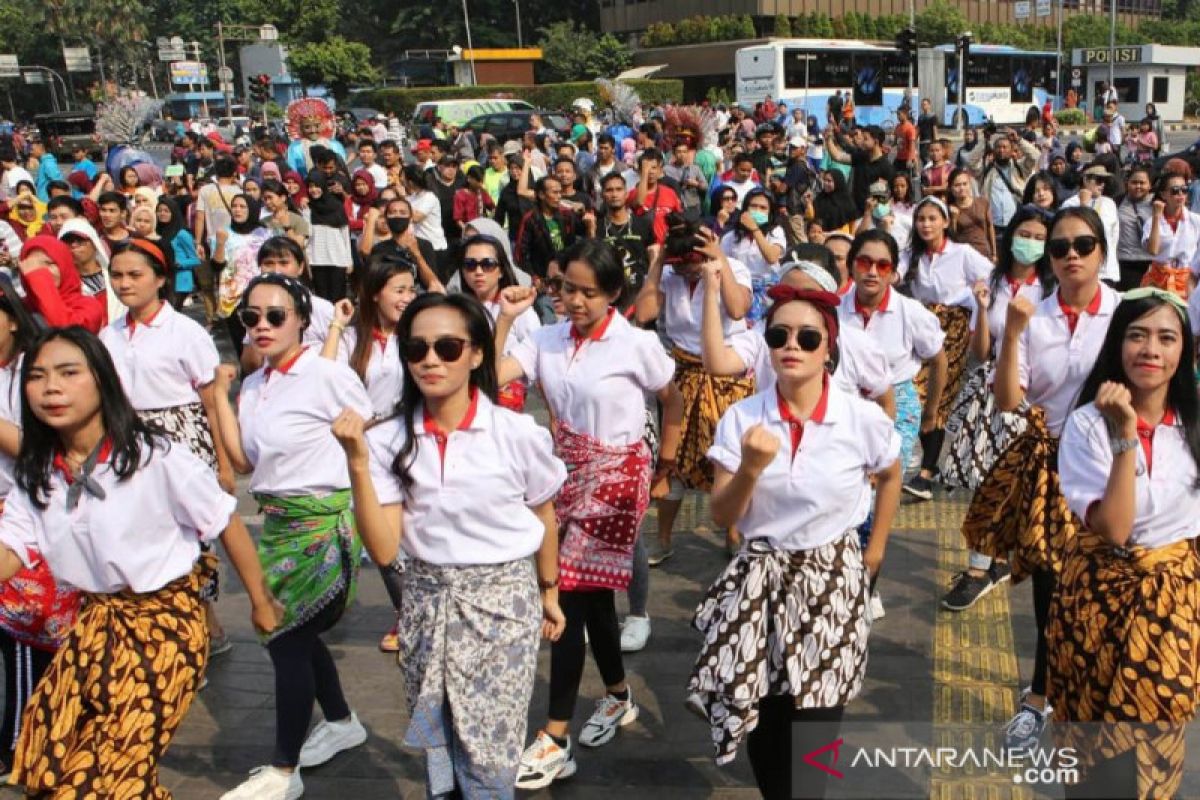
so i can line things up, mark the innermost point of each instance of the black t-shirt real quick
(926, 127)
(865, 172)
(389, 247)
(445, 196)
(632, 240)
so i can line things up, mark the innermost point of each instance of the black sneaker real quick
(1000, 571)
(967, 590)
(920, 487)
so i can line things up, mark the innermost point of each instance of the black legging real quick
(329, 282)
(776, 743)
(304, 671)
(30, 663)
(1043, 590)
(237, 333)
(1132, 273)
(598, 611)
(931, 449)
(392, 582)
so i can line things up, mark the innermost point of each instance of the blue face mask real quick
(1027, 251)
(760, 217)
(881, 210)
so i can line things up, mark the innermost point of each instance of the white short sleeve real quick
(873, 375)
(201, 359)
(525, 351)
(1194, 308)
(975, 268)
(383, 442)
(1084, 459)
(655, 368)
(544, 472)
(198, 500)
(19, 525)
(726, 450)
(880, 441)
(927, 333)
(1023, 369)
(741, 273)
(349, 392)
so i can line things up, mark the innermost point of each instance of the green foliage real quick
(336, 63)
(783, 26)
(940, 22)
(699, 29)
(1070, 117)
(547, 95)
(718, 95)
(571, 53)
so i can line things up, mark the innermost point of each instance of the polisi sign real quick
(1120, 55)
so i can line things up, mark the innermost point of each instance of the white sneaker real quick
(634, 633)
(876, 608)
(330, 738)
(544, 762)
(609, 715)
(268, 783)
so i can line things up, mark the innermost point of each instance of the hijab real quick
(253, 222)
(372, 194)
(77, 308)
(113, 306)
(328, 209)
(836, 208)
(301, 194)
(168, 230)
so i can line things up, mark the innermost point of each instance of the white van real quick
(456, 112)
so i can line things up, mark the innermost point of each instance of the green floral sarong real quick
(310, 554)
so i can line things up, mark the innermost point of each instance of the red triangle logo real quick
(811, 758)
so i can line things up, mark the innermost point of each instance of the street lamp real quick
(471, 47)
(520, 42)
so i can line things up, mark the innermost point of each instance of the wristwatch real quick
(545, 585)
(1122, 445)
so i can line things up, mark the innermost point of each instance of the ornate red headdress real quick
(306, 108)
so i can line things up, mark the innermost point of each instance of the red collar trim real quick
(131, 323)
(1174, 223)
(940, 250)
(796, 426)
(60, 459)
(597, 331)
(1015, 286)
(1145, 434)
(380, 338)
(1072, 315)
(286, 366)
(845, 289)
(432, 428)
(867, 313)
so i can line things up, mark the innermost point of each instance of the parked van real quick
(456, 112)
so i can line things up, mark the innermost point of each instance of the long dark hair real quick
(366, 319)
(1088, 217)
(287, 246)
(740, 231)
(507, 276)
(1004, 260)
(130, 437)
(1181, 391)
(23, 337)
(483, 377)
(917, 247)
(835, 208)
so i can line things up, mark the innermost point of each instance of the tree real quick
(336, 63)
(783, 26)
(939, 23)
(610, 57)
(572, 53)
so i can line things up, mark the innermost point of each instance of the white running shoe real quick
(330, 738)
(876, 608)
(544, 762)
(268, 783)
(634, 633)
(609, 715)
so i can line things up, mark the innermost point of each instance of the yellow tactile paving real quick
(975, 668)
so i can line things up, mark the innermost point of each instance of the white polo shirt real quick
(862, 366)
(600, 387)
(318, 324)
(1167, 507)
(683, 308)
(997, 311)
(810, 500)
(908, 333)
(145, 533)
(384, 378)
(947, 277)
(473, 503)
(10, 411)
(1053, 363)
(285, 416)
(1179, 247)
(522, 327)
(162, 362)
(746, 251)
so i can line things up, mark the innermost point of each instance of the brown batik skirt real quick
(705, 398)
(956, 324)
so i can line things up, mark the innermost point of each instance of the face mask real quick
(397, 225)
(759, 217)
(1027, 251)
(881, 210)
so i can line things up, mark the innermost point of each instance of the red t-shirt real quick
(906, 141)
(661, 200)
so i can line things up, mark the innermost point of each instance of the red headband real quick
(149, 248)
(826, 304)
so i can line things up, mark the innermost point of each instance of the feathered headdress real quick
(120, 120)
(305, 108)
(694, 125)
(621, 98)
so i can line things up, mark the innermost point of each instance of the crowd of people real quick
(804, 322)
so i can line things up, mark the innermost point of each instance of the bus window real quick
(826, 71)
(868, 80)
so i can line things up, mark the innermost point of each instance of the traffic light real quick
(962, 46)
(260, 88)
(906, 43)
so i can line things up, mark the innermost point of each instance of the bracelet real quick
(1122, 445)
(341, 326)
(545, 585)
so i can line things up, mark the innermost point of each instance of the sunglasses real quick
(448, 349)
(1177, 189)
(1083, 245)
(251, 316)
(882, 265)
(485, 264)
(777, 337)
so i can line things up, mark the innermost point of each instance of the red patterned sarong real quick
(512, 396)
(599, 509)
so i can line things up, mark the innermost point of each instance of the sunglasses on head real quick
(808, 339)
(1177, 189)
(1083, 245)
(485, 264)
(881, 265)
(251, 316)
(448, 349)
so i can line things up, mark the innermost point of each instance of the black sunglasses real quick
(1177, 189)
(485, 264)
(448, 348)
(275, 317)
(809, 339)
(1083, 245)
